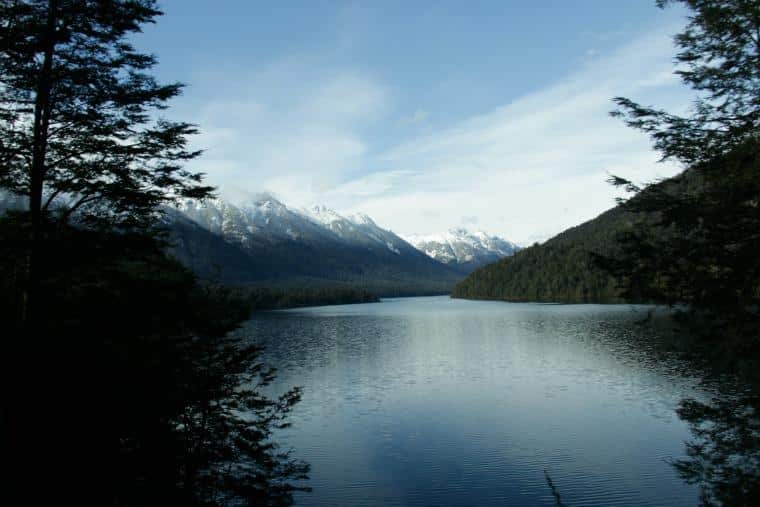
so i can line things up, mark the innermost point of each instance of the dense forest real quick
(563, 269)
(277, 299)
(585, 264)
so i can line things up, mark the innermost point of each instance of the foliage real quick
(701, 245)
(134, 393)
(717, 56)
(704, 249)
(121, 384)
(77, 112)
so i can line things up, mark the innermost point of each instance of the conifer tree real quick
(78, 123)
(77, 111)
(124, 386)
(700, 232)
(718, 57)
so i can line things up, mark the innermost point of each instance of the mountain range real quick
(463, 249)
(263, 242)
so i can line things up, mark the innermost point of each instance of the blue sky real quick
(425, 115)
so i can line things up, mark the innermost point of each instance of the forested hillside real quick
(289, 264)
(279, 299)
(561, 270)
(595, 262)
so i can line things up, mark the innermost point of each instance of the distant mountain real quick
(264, 219)
(357, 229)
(265, 243)
(464, 250)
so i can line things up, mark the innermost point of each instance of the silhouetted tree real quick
(77, 117)
(121, 384)
(136, 392)
(699, 233)
(718, 54)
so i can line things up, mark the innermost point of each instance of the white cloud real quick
(292, 128)
(526, 170)
(538, 165)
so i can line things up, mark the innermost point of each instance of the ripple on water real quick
(432, 401)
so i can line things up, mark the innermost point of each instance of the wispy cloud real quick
(525, 170)
(537, 165)
(291, 128)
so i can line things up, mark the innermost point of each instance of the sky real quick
(426, 115)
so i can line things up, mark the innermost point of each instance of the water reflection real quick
(723, 457)
(442, 402)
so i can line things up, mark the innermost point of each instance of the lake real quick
(436, 401)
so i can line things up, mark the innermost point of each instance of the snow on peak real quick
(267, 205)
(459, 245)
(265, 216)
(362, 219)
(323, 215)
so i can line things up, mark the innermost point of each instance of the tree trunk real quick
(42, 111)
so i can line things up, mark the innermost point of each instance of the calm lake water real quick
(436, 401)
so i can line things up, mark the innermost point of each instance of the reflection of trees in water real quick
(723, 457)
(554, 490)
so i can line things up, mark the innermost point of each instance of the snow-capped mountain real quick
(465, 249)
(264, 242)
(266, 218)
(358, 228)
(262, 218)
(264, 239)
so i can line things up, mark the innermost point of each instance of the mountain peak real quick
(323, 215)
(315, 242)
(266, 203)
(460, 246)
(362, 219)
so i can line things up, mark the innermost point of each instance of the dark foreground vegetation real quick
(120, 382)
(129, 390)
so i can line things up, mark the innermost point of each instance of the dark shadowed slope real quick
(267, 244)
(560, 270)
